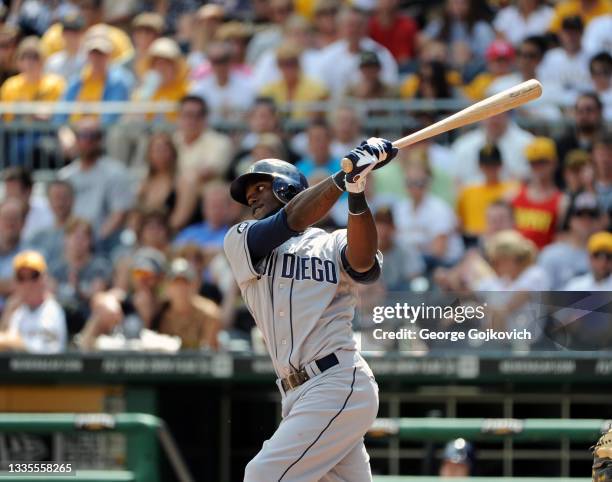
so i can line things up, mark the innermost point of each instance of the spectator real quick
(598, 35)
(522, 19)
(500, 60)
(50, 241)
(394, 31)
(567, 257)
(529, 55)
(216, 213)
(99, 81)
(166, 76)
(586, 9)
(69, 61)
(31, 83)
(238, 36)
(340, 60)
(600, 67)
(499, 217)
(12, 218)
(127, 314)
(8, 44)
(509, 138)
(227, 92)
(474, 199)
(263, 119)
(539, 205)
(370, 85)
(578, 172)
(600, 257)
(101, 184)
(319, 158)
(602, 160)
(464, 29)
(163, 188)
(566, 68)
(196, 320)
(588, 125)
(295, 86)
(270, 37)
(325, 22)
(79, 273)
(425, 222)
(207, 22)
(146, 28)
(346, 124)
(203, 153)
(18, 184)
(403, 263)
(458, 459)
(37, 323)
(430, 82)
(92, 12)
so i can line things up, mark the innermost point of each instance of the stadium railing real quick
(394, 478)
(142, 430)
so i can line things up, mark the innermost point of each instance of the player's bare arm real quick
(311, 205)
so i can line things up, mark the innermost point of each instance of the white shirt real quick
(567, 75)
(597, 35)
(515, 27)
(586, 282)
(340, 67)
(43, 330)
(511, 146)
(235, 97)
(419, 226)
(60, 63)
(39, 218)
(606, 100)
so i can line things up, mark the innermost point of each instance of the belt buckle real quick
(295, 379)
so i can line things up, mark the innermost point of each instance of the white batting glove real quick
(371, 154)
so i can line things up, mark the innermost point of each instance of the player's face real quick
(261, 199)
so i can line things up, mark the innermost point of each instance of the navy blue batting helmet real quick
(459, 451)
(287, 181)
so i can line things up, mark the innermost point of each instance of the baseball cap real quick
(165, 48)
(489, 155)
(601, 241)
(180, 268)
(234, 30)
(30, 44)
(149, 20)
(368, 58)
(573, 22)
(541, 148)
(98, 42)
(576, 158)
(288, 51)
(210, 11)
(499, 49)
(30, 260)
(149, 260)
(585, 200)
(72, 20)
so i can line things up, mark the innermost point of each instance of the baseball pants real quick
(321, 435)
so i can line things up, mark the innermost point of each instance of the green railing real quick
(391, 478)
(534, 429)
(142, 432)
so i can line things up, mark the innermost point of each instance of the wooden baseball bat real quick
(496, 104)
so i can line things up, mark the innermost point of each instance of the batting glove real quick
(371, 154)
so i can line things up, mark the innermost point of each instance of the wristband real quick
(357, 203)
(339, 180)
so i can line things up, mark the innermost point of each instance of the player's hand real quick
(371, 154)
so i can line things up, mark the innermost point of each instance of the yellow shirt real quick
(17, 89)
(308, 90)
(53, 41)
(477, 89)
(305, 8)
(410, 86)
(571, 8)
(92, 90)
(168, 93)
(473, 202)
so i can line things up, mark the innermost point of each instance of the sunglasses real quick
(540, 162)
(591, 213)
(601, 72)
(220, 60)
(88, 135)
(23, 278)
(602, 254)
(529, 55)
(29, 56)
(421, 183)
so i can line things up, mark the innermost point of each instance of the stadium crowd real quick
(122, 249)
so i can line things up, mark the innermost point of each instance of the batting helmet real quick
(602, 458)
(459, 451)
(287, 181)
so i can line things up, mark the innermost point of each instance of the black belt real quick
(300, 377)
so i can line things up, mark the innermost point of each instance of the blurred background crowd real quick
(112, 221)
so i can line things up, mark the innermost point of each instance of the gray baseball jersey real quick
(300, 295)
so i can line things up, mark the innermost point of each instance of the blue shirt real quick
(202, 235)
(308, 167)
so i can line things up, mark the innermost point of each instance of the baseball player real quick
(298, 284)
(602, 458)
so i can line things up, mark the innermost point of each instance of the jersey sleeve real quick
(370, 276)
(237, 253)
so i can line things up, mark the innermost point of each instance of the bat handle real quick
(347, 165)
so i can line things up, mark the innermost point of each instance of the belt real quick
(300, 377)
